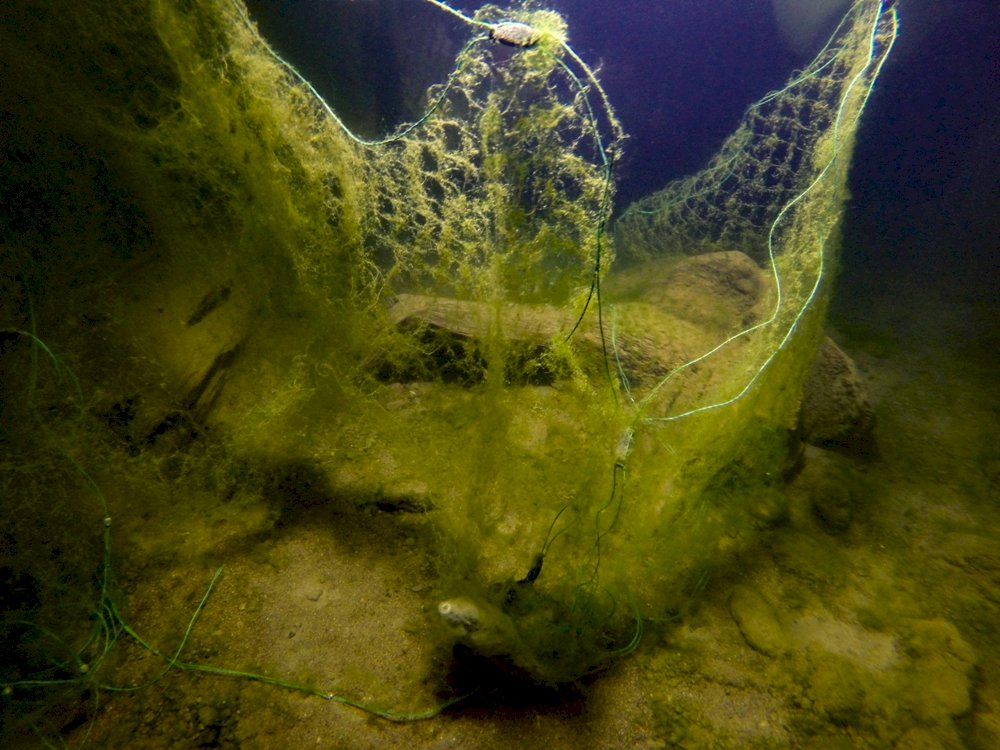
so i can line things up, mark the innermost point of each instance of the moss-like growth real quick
(416, 324)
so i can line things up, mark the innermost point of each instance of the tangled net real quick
(775, 189)
(426, 319)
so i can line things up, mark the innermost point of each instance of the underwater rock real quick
(451, 331)
(834, 508)
(713, 291)
(836, 412)
(667, 310)
(941, 677)
(758, 621)
(833, 497)
(836, 689)
(828, 490)
(922, 738)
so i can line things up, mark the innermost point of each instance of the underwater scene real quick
(545, 374)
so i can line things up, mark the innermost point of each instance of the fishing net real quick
(213, 289)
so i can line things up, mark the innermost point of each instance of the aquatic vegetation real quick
(423, 323)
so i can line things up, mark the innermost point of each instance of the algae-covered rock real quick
(758, 621)
(716, 290)
(832, 493)
(836, 412)
(938, 686)
(828, 490)
(837, 689)
(834, 508)
(923, 738)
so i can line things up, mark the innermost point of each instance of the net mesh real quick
(495, 196)
(787, 140)
(256, 303)
(774, 191)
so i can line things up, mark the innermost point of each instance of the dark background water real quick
(926, 178)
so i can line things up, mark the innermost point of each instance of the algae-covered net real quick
(213, 290)
(774, 191)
